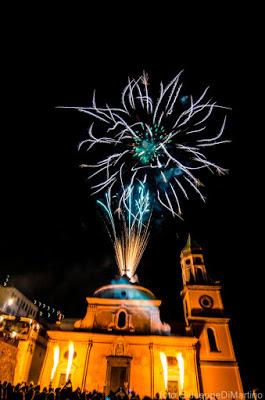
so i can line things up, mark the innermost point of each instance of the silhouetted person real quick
(43, 394)
(2, 390)
(9, 391)
(30, 393)
(121, 394)
(57, 393)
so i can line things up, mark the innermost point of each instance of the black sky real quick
(54, 243)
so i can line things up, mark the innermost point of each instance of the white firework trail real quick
(162, 140)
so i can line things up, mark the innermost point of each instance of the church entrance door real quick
(118, 373)
(117, 378)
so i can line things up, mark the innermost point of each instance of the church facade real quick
(121, 341)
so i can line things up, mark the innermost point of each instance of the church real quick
(122, 342)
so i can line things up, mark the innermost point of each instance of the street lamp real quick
(10, 302)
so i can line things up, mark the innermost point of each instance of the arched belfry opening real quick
(192, 263)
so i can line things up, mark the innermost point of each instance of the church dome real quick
(124, 290)
(123, 307)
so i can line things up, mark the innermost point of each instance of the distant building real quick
(23, 344)
(13, 302)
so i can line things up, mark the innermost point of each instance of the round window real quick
(66, 354)
(206, 301)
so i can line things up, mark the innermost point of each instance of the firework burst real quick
(161, 141)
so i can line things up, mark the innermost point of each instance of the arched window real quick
(197, 260)
(212, 340)
(200, 276)
(122, 319)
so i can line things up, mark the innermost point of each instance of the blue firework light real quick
(146, 146)
(162, 141)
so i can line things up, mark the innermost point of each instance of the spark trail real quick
(128, 225)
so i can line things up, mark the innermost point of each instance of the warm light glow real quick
(163, 359)
(71, 350)
(56, 356)
(10, 302)
(13, 334)
(129, 251)
(181, 370)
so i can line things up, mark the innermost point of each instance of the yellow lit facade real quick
(120, 340)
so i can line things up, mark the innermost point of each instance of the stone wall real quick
(7, 361)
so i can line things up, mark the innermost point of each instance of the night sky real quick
(54, 244)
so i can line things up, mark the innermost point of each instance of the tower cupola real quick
(192, 263)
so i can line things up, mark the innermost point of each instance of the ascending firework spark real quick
(129, 225)
(161, 141)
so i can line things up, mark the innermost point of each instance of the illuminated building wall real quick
(98, 357)
(121, 341)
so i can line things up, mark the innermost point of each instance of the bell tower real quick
(205, 318)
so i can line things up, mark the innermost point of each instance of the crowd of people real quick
(33, 392)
